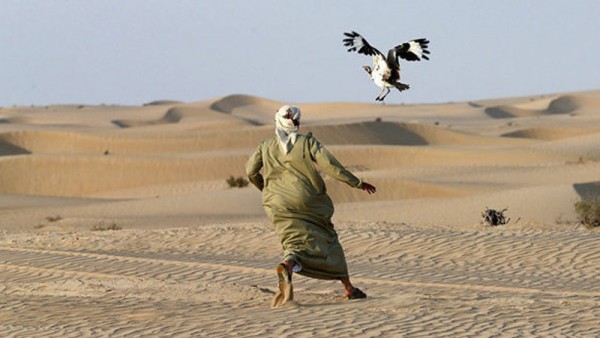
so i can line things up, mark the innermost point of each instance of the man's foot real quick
(286, 291)
(355, 293)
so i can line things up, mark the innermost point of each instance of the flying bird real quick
(386, 70)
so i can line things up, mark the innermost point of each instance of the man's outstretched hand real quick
(368, 188)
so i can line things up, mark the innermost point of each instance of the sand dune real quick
(196, 257)
(566, 104)
(81, 175)
(364, 133)
(549, 133)
(255, 110)
(391, 133)
(8, 148)
(198, 115)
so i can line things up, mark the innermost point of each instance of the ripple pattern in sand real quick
(192, 282)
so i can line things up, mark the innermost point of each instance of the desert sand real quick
(194, 257)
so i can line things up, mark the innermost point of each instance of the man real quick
(294, 197)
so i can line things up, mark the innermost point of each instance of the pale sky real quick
(137, 51)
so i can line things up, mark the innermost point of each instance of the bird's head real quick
(367, 69)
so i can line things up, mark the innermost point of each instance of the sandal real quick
(357, 293)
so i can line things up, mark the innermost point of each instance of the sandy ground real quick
(194, 257)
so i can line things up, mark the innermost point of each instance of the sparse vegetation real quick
(237, 182)
(103, 226)
(53, 218)
(588, 211)
(560, 220)
(492, 217)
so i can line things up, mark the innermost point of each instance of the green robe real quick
(295, 199)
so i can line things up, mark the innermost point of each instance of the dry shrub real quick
(53, 218)
(493, 217)
(102, 226)
(237, 182)
(588, 211)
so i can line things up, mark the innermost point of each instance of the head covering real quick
(287, 122)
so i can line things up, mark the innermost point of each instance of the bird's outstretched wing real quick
(359, 44)
(413, 50)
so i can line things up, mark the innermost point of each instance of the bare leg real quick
(348, 287)
(286, 290)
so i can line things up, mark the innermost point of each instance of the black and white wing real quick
(359, 44)
(414, 50)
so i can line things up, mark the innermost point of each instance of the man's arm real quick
(253, 167)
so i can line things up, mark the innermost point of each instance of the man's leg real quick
(286, 290)
(350, 291)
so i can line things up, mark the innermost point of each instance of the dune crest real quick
(196, 116)
(164, 103)
(549, 133)
(566, 104)
(252, 109)
(232, 102)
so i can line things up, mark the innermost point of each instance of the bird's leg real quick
(379, 98)
(386, 94)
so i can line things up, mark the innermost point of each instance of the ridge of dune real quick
(562, 105)
(500, 112)
(587, 189)
(549, 133)
(393, 133)
(377, 133)
(197, 114)
(252, 109)
(80, 116)
(8, 148)
(169, 117)
(570, 103)
(15, 120)
(230, 103)
(163, 103)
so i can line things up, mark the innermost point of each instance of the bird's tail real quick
(401, 86)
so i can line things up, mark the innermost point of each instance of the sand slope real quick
(196, 257)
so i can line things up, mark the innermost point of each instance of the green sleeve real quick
(253, 167)
(330, 165)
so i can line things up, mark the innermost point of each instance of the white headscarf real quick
(287, 122)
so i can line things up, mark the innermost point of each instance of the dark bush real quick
(237, 182)
(588, 211)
